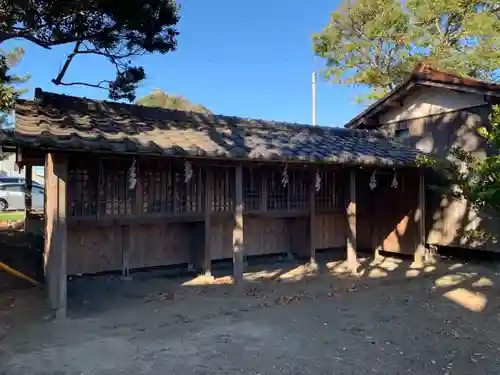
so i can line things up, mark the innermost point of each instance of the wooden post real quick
(263, 198)
(99, 183)
(207, 254)
(29, 188)
(56, 173)
(126, 242)
(238, 248)
(312, 220)
(28, 194)
(137, 197)
(352, 258)
(420, 252)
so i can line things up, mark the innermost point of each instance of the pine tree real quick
(9, 83)
(376, 43)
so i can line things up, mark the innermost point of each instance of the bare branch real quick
(62, 72)
(96, 85)
(105, 54)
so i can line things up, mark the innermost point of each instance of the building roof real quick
(424, 75)
(60, 122)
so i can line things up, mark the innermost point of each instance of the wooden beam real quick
(33, 157)
(56, 173)
(99, 183)
(29, 188)
(62, 173)
(312, 220)
(19, 159)
(420, 252)
(126, 239)
(263, 198)
(137, 197)
(352, 258)
(29, 224)
(207, 253)
(238, 248)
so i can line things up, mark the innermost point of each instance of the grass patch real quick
(11, 215)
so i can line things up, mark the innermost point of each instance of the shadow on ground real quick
(392, 317)
(465, 282)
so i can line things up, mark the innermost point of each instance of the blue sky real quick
(250, 59)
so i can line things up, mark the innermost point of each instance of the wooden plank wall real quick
(158, 245)
(266, 236)
(94, 249)
(331, 230)
(384, 220)
(387, 216)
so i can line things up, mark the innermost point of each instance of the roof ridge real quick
(425, 74)
(338, 131)
(39, 92)
(430, 72)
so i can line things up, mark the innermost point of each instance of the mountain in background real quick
(158, 98)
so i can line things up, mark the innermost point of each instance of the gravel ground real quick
(391, 319)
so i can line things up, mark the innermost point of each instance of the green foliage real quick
(9, 89)
(473, 178)
(114, 29)
(158, 98)
(378, 42)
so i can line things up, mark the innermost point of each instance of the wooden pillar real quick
(126, 240)
(420, 252)
(29, 188)
(28, 200)
(238, 248)
(56, 172)
(263, 200)
(207, 253)
(312, 220)
(127, 233)
(352, 258)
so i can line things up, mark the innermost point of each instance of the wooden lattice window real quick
(277, 193)
(187, 193)
(223, 189)
(157, 189)
(331, 193)
(115, 198)
(82, 190)
(298, 188)
(252, 189)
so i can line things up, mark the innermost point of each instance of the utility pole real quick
(314, 93)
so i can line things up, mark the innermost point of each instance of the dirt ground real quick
(22, 252)
(393, 318)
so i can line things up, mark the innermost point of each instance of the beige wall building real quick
(8, 167)
(434, 111)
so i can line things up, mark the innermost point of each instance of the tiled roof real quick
(426, 72)
(54, 121)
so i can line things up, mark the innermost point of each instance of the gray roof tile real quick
(72, 123)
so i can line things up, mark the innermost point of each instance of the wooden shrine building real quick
(129, 187)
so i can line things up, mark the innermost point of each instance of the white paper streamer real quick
(284, 178)
(394, 183)
(132, 176)
(188, 172)
(318, 181)
(373, 181)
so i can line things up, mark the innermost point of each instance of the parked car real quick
(12, 196)
(16, 180)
